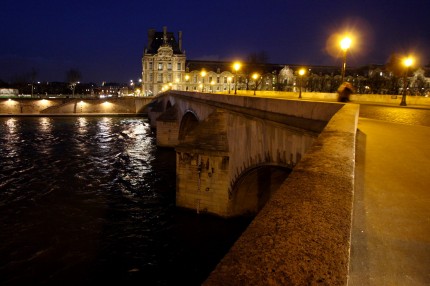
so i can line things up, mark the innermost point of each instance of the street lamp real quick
(203, 74)
(345, 44)
(301, 73)
(236, 67)
(187, 77)
(407, 62)
(229, 83)
(255, 77)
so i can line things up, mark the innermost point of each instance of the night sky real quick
(104, 40)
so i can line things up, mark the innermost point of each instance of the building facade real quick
(165, 66)
(163, 62)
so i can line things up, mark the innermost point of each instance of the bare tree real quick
(254, 64)
(33, 75)
(73, 77)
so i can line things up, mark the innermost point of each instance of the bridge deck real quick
(390, 237)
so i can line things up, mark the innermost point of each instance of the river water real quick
(87, 200)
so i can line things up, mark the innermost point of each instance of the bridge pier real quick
(202, 179)
(202, 167)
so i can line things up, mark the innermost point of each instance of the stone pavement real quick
(391, 216)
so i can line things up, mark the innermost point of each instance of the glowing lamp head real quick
(237, 66)
(407, 62)
(255, 76)
(345, 43)
(302, 72)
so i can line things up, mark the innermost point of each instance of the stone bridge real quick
(302, 234)
(233, 152)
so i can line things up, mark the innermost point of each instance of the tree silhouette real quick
(73, 77)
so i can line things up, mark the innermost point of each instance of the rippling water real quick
(92, 199)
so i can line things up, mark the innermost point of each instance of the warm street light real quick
(255, 76)
(203, 74)
(407, 62)
(345, 44)
(236, 67)
(301, 73)
(229, 82)
(187, 77)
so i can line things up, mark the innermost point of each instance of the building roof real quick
(158, 41)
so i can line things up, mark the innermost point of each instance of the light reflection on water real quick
(92, 199)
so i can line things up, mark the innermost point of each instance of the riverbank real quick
(73, 107)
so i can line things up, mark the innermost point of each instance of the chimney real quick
(180, 40)
(151, 34)
(165, 34)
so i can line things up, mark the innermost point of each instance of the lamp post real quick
(236, 67)
(203, 74)
(407, 62)
(229, 84)
(187, 77)
(345, 43)
(255, 77)
(301, 73)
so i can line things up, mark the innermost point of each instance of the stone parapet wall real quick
(373, 98)
(302, 235)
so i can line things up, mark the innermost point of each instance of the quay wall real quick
(65, 106)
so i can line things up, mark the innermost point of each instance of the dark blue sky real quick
(104, 40)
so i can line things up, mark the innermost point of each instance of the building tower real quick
(163, 62)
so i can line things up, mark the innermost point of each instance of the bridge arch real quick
(253, 188)
(189, 122)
